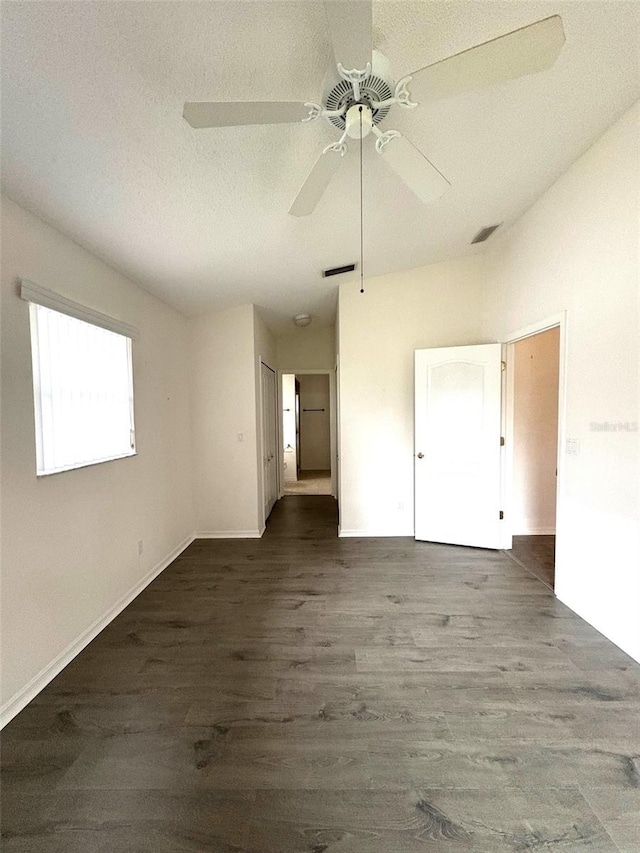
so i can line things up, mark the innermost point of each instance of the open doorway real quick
(535, 376)
(306, 433)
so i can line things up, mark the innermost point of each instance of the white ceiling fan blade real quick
(350, 25)
(525, 51)
(234, 113)
(418, 173)
(318, 180)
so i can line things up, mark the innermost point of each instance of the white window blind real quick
(83, 391)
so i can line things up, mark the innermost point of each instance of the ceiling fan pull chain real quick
(361, 214)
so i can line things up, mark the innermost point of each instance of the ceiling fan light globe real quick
(359, 121)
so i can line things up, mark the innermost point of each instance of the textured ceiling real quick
(94, 140)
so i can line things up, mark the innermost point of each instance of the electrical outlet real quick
(240, 436)
(400, 505)
(140, 547)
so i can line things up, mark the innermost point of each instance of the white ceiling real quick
(95, 143)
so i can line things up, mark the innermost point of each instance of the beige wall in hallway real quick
(315, 430)
(310, 348)
(225, 351)
(225, 436)
(535, 433)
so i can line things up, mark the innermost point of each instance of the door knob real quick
(420, 455)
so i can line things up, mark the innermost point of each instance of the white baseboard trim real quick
(367, 533)
(535, 531)
(22, 698)
(229, 534)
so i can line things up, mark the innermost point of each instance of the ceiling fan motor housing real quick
(373, 88)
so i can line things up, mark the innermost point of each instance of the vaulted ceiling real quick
(93, 138)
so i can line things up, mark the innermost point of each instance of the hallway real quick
(302, 693)
(310, 483)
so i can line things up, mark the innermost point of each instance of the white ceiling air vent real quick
(484, 233)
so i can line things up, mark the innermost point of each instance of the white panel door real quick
(457, 445)
(269, 433)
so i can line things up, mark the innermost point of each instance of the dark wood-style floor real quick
(301, 694)
(538, 555)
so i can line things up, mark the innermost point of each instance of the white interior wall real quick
(576, 249)
(264, 342)
(225, 431)
(70, 540)
(289, 427)
(535, 433)
(439, 305)
(315, 426)
(308, 348)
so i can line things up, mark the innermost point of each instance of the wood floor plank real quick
(303, 693)
(538, 555)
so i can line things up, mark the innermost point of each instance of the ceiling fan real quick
(363, 94)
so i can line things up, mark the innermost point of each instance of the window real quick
(83, 383)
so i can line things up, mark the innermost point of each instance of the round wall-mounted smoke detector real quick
(302, 319)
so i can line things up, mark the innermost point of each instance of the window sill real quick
(40, 474)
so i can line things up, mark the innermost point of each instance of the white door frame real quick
(554, 321)
(332, 422)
